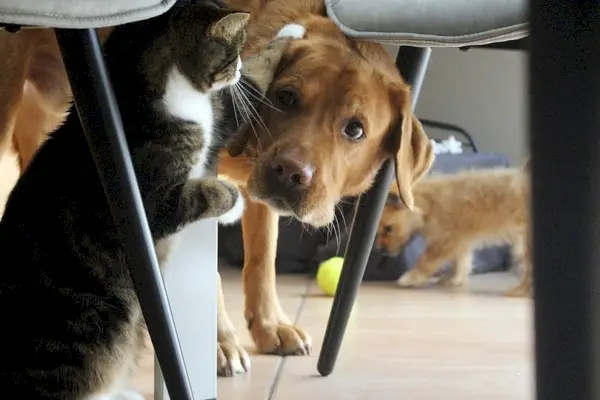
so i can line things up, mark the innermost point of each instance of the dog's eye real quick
(387, 229)
(353, 129)
(287, 97)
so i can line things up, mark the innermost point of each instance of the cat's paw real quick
(125, 394)
(130, 394)
(235, 213)
(292, 31)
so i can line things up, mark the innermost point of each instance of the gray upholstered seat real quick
(79, 13)
(432, 23)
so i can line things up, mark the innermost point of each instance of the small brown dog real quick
(456, 214)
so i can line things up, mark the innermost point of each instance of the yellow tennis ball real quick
(328, 275)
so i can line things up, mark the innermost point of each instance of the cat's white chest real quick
(182, 100)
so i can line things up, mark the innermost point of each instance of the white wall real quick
(484, 92)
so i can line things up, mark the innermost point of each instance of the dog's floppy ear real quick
(413, 149)
(261, 69)
(393, 200)
(238, 142)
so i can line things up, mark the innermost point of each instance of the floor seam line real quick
(275, 382)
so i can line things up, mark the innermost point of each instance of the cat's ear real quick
(229, 26)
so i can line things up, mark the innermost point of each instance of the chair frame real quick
(101, 121)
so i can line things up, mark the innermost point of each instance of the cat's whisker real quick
(251, 90)
(240, 104)
(263, 100)
(338, 234)
(256, 114)
(253, 114)
(244, 103)
(245, 114)
(343, 217)
(231, 91)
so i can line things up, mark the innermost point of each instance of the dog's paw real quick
(280, 338)
(413, 278)
(232, 359)
(453, 281)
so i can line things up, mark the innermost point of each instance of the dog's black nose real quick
(291, 172)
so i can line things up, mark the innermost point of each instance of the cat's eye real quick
(353, 129)
(230, 63)
(288, 97)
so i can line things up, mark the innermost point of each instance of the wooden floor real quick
(426, 344)
(401, 344)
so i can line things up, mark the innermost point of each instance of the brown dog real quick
(34, 90)
(336, 110)
(456, 214)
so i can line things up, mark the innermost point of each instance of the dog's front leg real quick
(271, 329)
(232, 359)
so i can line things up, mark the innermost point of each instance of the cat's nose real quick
(291, 172)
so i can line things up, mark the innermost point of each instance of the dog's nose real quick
(291, 172)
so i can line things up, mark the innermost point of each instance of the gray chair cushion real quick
(432, 23)
(79, 13)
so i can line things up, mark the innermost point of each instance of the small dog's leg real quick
(459, 275)
(422, 274)
(523, 289)
(232, 359)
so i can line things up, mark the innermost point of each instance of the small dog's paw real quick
(413, 278)
(232, 359)
(454, 281)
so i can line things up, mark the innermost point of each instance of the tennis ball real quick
(328, 275)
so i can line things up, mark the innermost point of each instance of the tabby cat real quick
(73, 324)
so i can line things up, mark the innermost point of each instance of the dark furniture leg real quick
(412, 62)
(565, 144)
(100, 118)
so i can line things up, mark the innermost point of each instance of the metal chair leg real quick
(101, 121)
(564, 73)
(412, 62)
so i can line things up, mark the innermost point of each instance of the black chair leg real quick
(100, 118)
(564, 77)
(412, 62)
